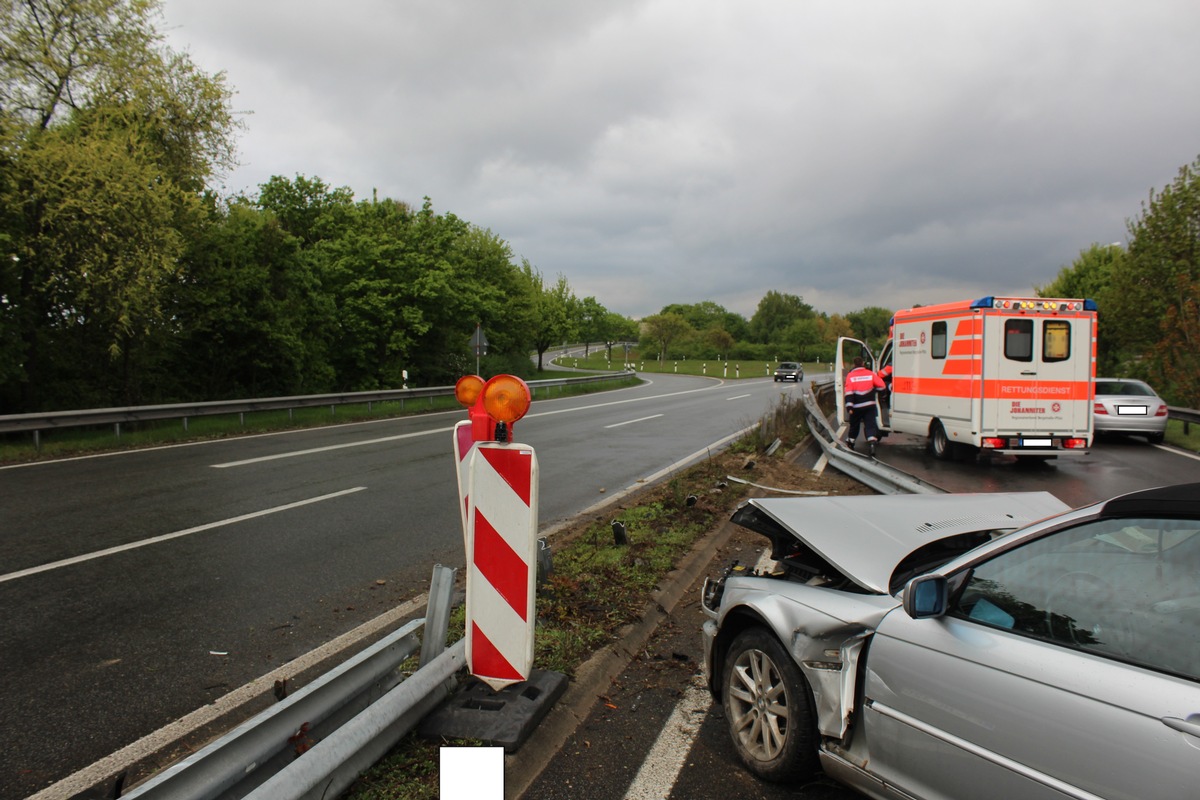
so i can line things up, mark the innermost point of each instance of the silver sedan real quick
(1124, 405)
(958, 646)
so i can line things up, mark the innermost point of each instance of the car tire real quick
(1156, 438)
(769, 708)
(940, 446)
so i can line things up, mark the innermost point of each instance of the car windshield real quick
(788, 365)
(1123, 387)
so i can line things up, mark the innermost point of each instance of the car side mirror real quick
(925, 596)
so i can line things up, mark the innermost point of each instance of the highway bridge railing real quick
(55, 420)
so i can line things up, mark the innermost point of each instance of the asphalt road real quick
(142, 586)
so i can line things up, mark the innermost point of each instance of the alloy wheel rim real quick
(759, 705)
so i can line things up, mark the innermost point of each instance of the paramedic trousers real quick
(864, 415)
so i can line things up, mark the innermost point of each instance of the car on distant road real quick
(1124, 405)
(789, 371)
(989, 646)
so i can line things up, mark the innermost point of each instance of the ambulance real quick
(1010, 375)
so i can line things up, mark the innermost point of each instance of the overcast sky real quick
(879, 152)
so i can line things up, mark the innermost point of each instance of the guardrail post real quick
(437, 613)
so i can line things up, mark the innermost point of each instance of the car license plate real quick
(1037, 443)
(1132, 410)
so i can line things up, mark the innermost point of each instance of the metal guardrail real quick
(342, 723)
(50, 420)
(1187, 416)
(863, 468)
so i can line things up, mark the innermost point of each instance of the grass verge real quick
(1176, 435)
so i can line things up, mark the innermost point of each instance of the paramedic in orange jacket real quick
(861, 387)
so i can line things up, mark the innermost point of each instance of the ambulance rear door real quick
(1037, 373)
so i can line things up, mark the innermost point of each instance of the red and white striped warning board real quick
(502, 498)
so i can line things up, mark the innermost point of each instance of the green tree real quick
(308, 208)
(775, 313)
(661, 330)
(109, 137)
(591, 323)
(554, 316)
(801, 337)
(720, 340)
(1154, 293)
(1090, 277)
(618, 328)
(872, 325)
(249, 317)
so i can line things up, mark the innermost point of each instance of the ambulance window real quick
(937, 344)
(1018, 339)
(1056, 340)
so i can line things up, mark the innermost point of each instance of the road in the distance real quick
(264, 548)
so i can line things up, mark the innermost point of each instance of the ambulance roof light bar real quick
(1039, 304)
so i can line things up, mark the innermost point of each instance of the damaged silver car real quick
(981, 645)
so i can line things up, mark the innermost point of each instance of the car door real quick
(848, 348)
(1068, 666)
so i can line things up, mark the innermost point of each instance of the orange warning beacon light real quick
(506, 398)
(467, 389)
(494, 405)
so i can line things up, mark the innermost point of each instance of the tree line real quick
(124, 279)
(1148, 292)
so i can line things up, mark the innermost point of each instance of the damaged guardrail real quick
(863, 468)
(316, 741)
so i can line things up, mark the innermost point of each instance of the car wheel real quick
(940, 445)
(768, 707)
(1156, 438)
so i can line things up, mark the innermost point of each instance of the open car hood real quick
(873, 540)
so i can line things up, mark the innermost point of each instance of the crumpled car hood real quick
(865, 537)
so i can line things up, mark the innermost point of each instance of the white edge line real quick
(658, 773)
(66, 562)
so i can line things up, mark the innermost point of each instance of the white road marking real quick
(439, 431)
(656, 778)
(312, 450)
(167, 536)
(659, 771)
(739, 397)
(1177, 451)
(631, 421)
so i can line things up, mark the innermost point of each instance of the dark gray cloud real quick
(873, 153)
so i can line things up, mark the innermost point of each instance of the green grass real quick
(82, 441)
(1177, 437)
